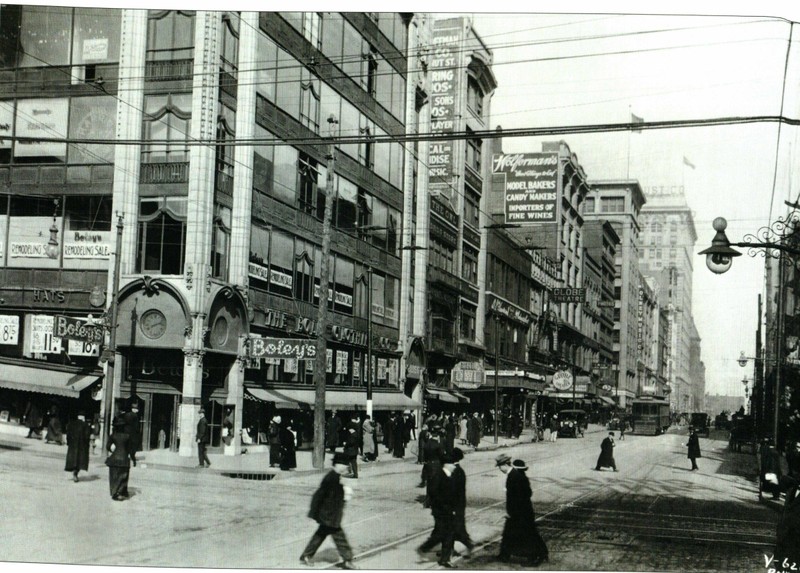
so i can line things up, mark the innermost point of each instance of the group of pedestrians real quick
(447, 499)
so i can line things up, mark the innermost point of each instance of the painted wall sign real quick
(530, 186)
(445, 76)
(45, 118)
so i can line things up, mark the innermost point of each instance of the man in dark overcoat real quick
(201, 437)
(520, 534)
(474, 430)
(431, 455)
(351, 445)
(694, 447)
(327, 508)
(119, 461)
(399, 437)
(78, 435)
(606, 458)
(460, 496)
(131, 420)
(332, 431)
(441, 493)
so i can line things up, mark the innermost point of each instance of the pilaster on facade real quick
(127, 158)
(243, 154)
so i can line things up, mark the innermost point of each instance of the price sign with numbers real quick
(42, 339)
(9, 329)
(82, 348)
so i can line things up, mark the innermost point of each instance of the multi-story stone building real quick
(667, 253)
(221, 187)
(450, 271)
(620, 203)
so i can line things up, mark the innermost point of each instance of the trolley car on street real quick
(649, 416)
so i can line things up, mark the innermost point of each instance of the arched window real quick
(162, 235)
(167, 121)
(170, 35)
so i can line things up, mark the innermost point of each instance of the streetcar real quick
(649, 416)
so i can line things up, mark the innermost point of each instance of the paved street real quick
(652, 515)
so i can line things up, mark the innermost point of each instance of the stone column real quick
(235, 400)
(205, 98)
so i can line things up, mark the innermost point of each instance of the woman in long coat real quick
(119, 462)
(78, 437)
(520, 534)
(368, 440)
(54, 430)
(288, 448)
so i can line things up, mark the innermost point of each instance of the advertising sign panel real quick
(46, 118)
(9, 329)
(296, 348)
(444, 74)
(562, 380)
(70, 328)
(530, 186)
(568, 295)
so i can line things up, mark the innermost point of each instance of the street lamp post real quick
(719, 258)
(496, 373)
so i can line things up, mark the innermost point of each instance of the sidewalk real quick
(253, 463)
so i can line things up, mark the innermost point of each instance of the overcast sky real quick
(582, 68)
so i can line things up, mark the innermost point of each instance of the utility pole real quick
(496, 373)
(110, 351)
(369, 342)
(321, 359)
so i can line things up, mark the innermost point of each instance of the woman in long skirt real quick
(119, 462)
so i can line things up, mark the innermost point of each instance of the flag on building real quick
(636, 119)
(687, 162)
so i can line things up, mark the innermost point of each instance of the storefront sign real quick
(562, 380)
(9, 329)
(530, 186)
(444, 75)
(443, 233)
(300, 349)
(568, 295)
(276, 319)
(349, 335)
(36, 250)
(509, 310)
(48, 295)
(467, 375)
(70, 328)
(87, 245)
(444, 211)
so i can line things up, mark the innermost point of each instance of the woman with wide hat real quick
(119, 462)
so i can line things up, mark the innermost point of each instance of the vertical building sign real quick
(444, 74)
(640, 322)
(529, 186)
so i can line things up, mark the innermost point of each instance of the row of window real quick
(289, 266)
(607, 204)
(293, 88)
(344, 368)
(295, 178)
(344, 45)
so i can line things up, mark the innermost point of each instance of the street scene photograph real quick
(487, 289)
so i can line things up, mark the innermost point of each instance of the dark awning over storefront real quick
(607, 400)
(447, 395)
(345, 400)
(29, 379)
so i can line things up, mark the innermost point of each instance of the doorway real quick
(162, 422)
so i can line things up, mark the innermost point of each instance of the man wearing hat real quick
(202, 441)
(432, 451)
(694, 447)
(441, 493)
(520, 534)
(327, 508)
(606, 458)
(460, 493)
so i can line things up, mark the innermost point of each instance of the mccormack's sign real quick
(297, 348)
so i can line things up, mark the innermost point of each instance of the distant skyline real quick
(584, 69)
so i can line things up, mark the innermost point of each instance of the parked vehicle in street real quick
(700, 422)
(573, 423)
